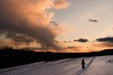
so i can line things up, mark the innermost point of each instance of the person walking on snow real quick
(83, 64)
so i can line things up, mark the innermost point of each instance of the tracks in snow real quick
(82, 70)
(63, 67)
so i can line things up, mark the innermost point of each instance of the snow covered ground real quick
(100, 65)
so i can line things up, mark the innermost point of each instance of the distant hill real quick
(12, 57)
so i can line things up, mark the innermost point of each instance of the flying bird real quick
(92, 20)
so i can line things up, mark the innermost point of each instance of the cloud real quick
(77, 49)
(3, 43)
(105, 39)
(54, 23)
(106, 42)
(103, 45)
(82, 40)
(59, 4)
(19, 38)
(65, 41)
(30, 18)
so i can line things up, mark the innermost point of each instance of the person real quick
(83, 64)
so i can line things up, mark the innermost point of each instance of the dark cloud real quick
(74, 47)
(105, 39)
(19, 38)
(54, 23)
(82, 40)
(65, 41)
(26, 18)
(104, 42)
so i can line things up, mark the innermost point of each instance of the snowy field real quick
(100, 65)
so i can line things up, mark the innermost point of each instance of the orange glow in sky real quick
(51, 24)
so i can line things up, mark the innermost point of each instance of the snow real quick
(99, 65)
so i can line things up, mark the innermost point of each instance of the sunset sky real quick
(50, 24)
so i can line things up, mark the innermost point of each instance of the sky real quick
(78, 14)
(57, 25)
